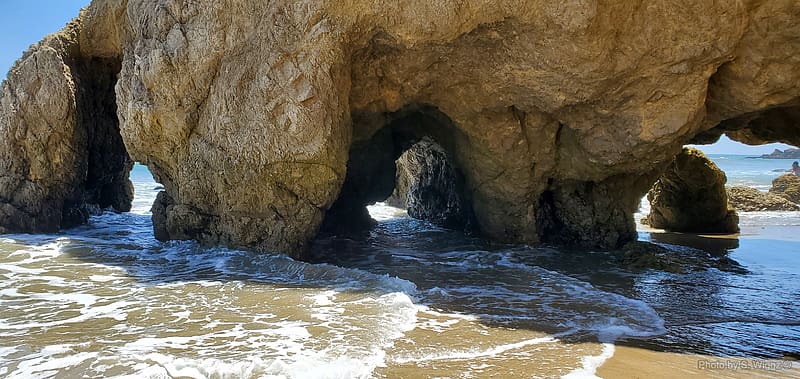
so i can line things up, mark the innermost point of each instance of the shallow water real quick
(404, 300)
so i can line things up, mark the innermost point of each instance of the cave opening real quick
(411, 163)
(104, 170)
(726, 171)
(113, 180)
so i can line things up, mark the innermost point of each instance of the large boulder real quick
(430, 187)
(788, 187)
(690, 197)
(748, 199)
(259, 116)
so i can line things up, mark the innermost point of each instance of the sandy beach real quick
(632, 362)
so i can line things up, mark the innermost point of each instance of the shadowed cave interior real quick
(410, 163)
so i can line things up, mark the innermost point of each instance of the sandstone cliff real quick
(258, 116)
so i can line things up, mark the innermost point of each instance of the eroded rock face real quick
(749, 199)
(251, 113)
(788, 187)
(62, 157)
(431, 188)
(690, 197)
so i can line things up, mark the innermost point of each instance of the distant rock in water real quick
(690, 197)
(748, 199)
(788, 187)
(785, 154)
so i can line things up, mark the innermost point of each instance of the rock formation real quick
(783, 154)
(61, 156)
(256, 116)
(788, 187)
(430, 188)
(638, 256)
(747, 199)
(690, 197)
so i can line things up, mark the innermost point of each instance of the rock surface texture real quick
(748, 199)
(61, 155)
(254, 114)
(788, 187)
(690, 197)
(430, 188)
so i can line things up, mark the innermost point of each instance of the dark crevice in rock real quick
(591, 214)
(548, 224)
(107, 165)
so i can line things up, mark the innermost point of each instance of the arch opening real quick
(108, 165)
(699, 193)
(410, 162)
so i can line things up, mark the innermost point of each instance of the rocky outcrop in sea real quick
(783, 154)
(748, 199)
(788, 187)
(262, 120)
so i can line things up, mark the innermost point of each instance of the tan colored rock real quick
(749, 199)
(753, 98)
(788, 187)
(690, 197)
(255, 115)
(61, 156)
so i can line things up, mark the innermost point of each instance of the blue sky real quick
(24, 22)
(726, 146)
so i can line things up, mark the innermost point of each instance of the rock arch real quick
(247, 112)
(427, 141)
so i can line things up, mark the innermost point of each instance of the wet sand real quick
(760, 239)
(632, 362)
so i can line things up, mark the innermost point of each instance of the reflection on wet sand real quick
(714, 244)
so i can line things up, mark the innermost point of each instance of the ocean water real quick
(406, 299)
(743, 170)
